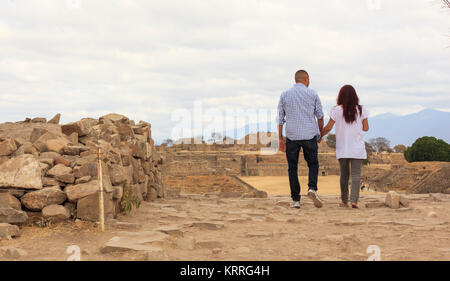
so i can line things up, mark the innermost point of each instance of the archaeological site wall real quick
(383, 172)
(50, 170)
(245, 160)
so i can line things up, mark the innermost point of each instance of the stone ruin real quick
(50, 170)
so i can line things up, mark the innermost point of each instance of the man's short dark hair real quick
(301, 75)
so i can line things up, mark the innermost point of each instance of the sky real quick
(157, 60)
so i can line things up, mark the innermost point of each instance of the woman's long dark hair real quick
(349, 101)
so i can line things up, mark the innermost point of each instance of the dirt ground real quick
(207, 227)
(328, 185)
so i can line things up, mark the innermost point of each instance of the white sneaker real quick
(295, 204)
(315, 198)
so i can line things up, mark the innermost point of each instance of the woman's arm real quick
(366, 125)
(327, 128)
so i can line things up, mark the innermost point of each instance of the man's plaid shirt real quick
(298, 108)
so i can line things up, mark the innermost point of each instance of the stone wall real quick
(246, 160)
(51, 169)
(239, 162)
(418, 177)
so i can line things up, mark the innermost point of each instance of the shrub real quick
(129, 200)
(428, 149)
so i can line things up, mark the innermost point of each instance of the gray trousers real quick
(355, 164)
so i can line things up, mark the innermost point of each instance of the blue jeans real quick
(310, 152)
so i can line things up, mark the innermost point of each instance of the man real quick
(300, 108)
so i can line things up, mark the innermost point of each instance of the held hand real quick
(320, 140)
(282, 145)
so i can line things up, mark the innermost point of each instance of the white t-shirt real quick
(349, 137)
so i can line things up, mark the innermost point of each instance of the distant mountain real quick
(398, 129)
(406, 129)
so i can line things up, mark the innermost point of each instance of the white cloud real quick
(146, 58)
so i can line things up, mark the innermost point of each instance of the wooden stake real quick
(100, 201)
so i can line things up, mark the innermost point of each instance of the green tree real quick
(428, 149)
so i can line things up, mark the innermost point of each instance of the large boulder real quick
(117, 192)
(12, 216)
(90, 169)
(7, 200)
(56, 213)
(36, 134)
(107, 185)
(62, 160)
(74, 150)
(88, 207)
(117, 174)
(24, 131)
(37, 200)
(143, 129)
(55, 119)
(21, 172)
(62, 173)
(82, 128)
(143, 150)
(8, 230)
(114, 117)
(138, 171)
(87, 169)
(39, 120)
(49, 182)
(49, 155)
(7, 147)
(78, 191)
(59, 170)
(41, 142)
(392, 200)
(26, 148)
(126, 133)
(57, 144)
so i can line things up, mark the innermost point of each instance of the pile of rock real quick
(396, 201)
(52, 169)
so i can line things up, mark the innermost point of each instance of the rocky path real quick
(206, 227)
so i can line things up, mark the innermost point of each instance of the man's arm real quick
(318, 111)
(281, 142)
(320, 122)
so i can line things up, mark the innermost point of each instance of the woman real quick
(351, 123)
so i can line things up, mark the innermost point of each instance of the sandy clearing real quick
(328, 185)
